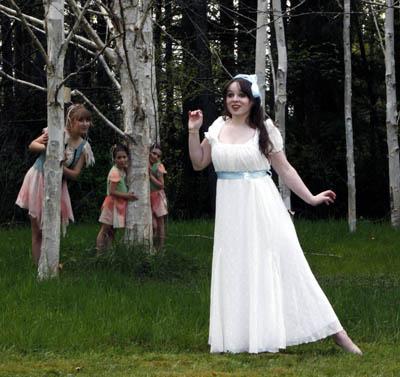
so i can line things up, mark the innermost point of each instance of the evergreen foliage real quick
(199, 45)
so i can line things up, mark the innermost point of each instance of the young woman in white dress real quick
(264, 296)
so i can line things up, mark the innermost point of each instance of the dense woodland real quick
(199, 45)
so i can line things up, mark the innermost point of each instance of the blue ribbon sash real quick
(242, 174)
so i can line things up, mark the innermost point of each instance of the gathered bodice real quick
(241, 157)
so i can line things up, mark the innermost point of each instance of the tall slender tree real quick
(50, 252)
(351, 184)
(261, 46)
(139, 102)
(280, 89)
(392, 116)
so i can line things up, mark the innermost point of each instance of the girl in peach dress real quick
(158, 199)
(113, 210)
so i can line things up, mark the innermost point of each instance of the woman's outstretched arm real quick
(292, 179)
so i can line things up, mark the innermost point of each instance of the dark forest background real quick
(198, 44)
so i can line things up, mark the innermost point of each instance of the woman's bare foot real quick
(343, 340)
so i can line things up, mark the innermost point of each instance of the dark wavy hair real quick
(155, 146)
(119, 148)
(256, 116)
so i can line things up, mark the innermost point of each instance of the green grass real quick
(129, 314)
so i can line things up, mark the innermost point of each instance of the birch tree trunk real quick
(150, 74)
(135, 48)
(351, 180)
(391, 117)
(280, 94)
(50, 252)
(261, 47)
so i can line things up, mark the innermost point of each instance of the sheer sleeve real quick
(213, 131)
(113, 175)
(161, 169)
(274, 136)
(88, 153)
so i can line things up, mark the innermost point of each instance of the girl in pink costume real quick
(78, 154)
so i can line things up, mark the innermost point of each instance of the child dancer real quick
(158, 198)
(113, 210)
(77, 154)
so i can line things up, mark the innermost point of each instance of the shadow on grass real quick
(135, 261)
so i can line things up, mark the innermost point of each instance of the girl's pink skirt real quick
(31, 195)
(113, 212)
(159, 205)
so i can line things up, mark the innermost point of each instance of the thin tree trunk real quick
(169, 70)
(136, 49)
(391, 117)
(150, 91)
(50, 252)
(280, 94)
(261, 45)
(351, 180)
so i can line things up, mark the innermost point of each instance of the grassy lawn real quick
(128, 314)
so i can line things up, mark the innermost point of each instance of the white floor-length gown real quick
(264, 296)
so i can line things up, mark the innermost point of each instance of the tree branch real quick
(377, 29)
(98, 54)
(30, 32)
(109, 72)
(107, 14)
(100, 114)
(108, 52)
(38, 25)
(72, 31)
(22, 81)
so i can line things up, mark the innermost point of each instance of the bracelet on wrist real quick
(193, 130)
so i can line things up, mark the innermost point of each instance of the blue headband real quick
(252, 79)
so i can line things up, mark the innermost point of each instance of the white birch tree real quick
(392, 117)
(261, 46)
(53, 27)
(351, 180)
(50, 251)
(280, 89)
(136, 71)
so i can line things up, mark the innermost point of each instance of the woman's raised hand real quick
(326, 197)
(195, 119)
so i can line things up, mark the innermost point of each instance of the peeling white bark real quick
(280, 93)
(391, 117)
(137, 81)
(351, 179)
(50, 252)
(261, 47)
